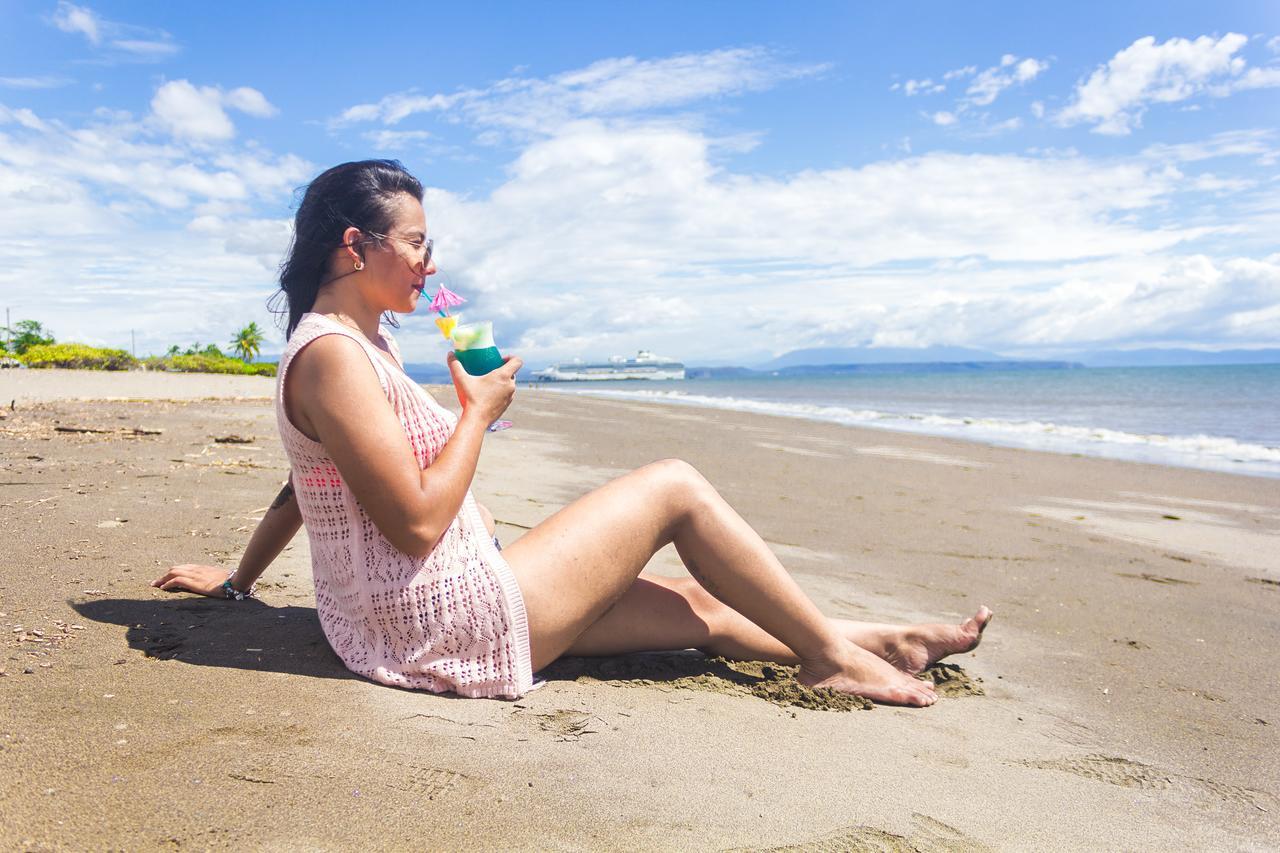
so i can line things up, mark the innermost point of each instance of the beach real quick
(1125, 695)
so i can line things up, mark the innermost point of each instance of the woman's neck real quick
(346, 306)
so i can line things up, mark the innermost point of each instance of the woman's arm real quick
(274, 532)
(333, 394)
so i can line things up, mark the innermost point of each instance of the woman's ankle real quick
(830, 658)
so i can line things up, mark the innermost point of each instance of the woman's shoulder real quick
(310, 326)
(327, 353)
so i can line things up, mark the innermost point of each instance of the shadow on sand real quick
(212, 632)
(254, 636)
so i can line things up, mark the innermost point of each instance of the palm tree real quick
(248, 342)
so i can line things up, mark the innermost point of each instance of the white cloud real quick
(146, 49)
(1115, 96)
(587, 201)
(78, 19)
(151, 235)
(1254, 78)
(112, 38)
(995, 250)
(1004, 126)
(1130, 300)
(983, 89)
(1261, 145)
(198, 112)
(1273, 44)
(989, 83)
(45, 82)
(394, 108)
(22, 116)
(1037, 109)
(630, 229)
(610, 87)
(192, 112)
(249, 101)
(922, 87)
(396, 140)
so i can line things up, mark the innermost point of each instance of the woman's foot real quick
(857, 671)
(919, 646)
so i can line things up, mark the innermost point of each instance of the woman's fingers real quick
(173, 572)
(191, 577)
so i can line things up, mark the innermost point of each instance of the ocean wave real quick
(1197, 451)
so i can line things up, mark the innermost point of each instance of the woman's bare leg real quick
(575, 565)
(657, 611)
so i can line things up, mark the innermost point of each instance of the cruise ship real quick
(645, 365)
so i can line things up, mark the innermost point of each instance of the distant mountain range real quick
(891, 367)
(879, 355)
(1152, 357)
(938, 355)
(431, 372)
(1175, 357)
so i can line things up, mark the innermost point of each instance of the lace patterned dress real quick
(453, 620)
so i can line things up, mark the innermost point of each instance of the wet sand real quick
(1124, 696)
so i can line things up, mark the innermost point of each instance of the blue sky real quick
(726, 181)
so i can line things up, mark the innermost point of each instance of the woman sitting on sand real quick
(411, 589)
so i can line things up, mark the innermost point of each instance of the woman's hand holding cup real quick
(489, 395)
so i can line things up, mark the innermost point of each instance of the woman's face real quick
(395, 269)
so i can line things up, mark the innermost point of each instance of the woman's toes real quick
(975, 625)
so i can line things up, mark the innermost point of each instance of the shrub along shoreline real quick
(84, 357)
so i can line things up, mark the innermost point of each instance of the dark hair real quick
(359, 195)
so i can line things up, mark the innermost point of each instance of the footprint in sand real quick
(431, 782)
(1109, 769)
(1132, 774)
(928, 835)
(569, 726)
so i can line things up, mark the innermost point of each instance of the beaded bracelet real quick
(229, 591)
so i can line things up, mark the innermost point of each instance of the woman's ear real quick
(351, 240)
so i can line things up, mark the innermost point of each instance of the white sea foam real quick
(1195, 451)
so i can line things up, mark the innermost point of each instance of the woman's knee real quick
(679, 480)
(713, 612)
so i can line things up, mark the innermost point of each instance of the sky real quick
(719, 182)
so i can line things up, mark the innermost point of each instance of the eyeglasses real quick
(423, 246)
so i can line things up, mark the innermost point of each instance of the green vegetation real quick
(205, 361)
(34, 346)
(247, 343)
(79, 356)
(208, 358)
(26, 334)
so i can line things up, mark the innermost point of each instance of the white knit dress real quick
(453, 621)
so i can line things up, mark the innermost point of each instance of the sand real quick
(1125, 696)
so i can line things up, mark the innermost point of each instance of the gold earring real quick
(359, 265)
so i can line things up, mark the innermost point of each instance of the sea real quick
(1220, 417)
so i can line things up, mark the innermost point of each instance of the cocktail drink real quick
(473, 345)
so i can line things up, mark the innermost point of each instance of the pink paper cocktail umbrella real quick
(443, 301)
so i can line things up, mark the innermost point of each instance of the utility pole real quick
(7, 332)
(133, 343)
